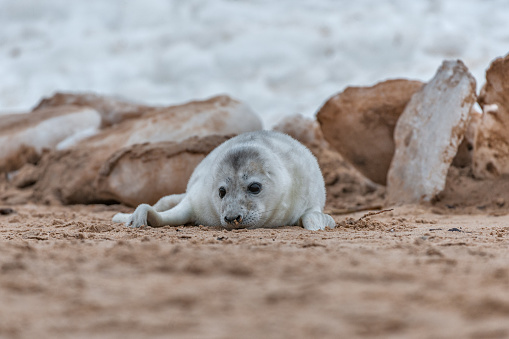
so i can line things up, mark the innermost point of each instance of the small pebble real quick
(454, 230)
(500, 202)
(6, 211)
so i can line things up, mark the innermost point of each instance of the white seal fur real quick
(256, 179)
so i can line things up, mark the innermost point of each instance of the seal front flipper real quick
(168, 202)
(141, 216)
(165, 203)
(147, 215)
(315, 221)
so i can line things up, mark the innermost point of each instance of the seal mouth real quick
(235, 220)
(235, 223)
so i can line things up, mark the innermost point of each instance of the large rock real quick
(24, 136)
(219, 115)
(144, 173)
(130, 162)
(112, 110)
(466, 149)
(346, 187)
(428, 134)
(359, 123)
(305, 130)
(491, 149)
(141, 173)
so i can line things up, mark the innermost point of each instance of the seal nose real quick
(236, 220)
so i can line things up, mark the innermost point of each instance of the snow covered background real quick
(280, 57)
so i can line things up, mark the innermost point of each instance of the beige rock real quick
(347, 188)
(428, 134)
(359, 123)
(496, 88)
(466, 149)
(66, 176)
(112, 110)
(303, 129)
(219, 115)
(24, 136)
(491, 149)
(130, 163)
(137, 174)
(145, 173)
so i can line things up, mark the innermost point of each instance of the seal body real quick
(256, 179)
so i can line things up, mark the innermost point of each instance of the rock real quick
(464, 194)
(6, 211)
(66, 176)
(466, 149)
(129, 162)
(145, 173)
(303, 129)
(347, 188)
(112, 110)
(428, 134)
(137, 174)
(496, 89)
(359, 123)
(24, 136)
(219, 115)
(491, 148)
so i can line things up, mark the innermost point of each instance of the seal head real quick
(246, 188)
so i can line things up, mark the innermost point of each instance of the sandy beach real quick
(406, 273)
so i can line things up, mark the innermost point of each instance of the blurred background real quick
(280, 57)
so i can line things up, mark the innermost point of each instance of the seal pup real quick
(256, 179)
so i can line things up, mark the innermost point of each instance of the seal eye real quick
(222, 192)
(255, 188)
